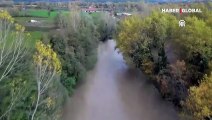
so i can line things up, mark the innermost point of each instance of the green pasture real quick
(95, 14)
(35, 36)
(41, 13)
(43, 16)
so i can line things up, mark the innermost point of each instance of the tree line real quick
(177, 60)
(36, 80)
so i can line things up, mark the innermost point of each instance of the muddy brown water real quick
(112, 91)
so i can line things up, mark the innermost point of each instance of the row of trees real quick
(145, 43)
(76, 44)
(60, 61)
(26, 89)
(77, 41)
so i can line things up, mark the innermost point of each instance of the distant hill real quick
(6, 2)
(150, 1)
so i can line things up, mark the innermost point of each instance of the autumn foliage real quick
(199, 102)
(143, 42)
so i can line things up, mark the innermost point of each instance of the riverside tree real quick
(76, 45)
(12, 44)
(47, 67)
(12, 49)
(106, 25)
(198, 103)
(133, 41)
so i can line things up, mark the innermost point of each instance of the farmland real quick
(45, 18)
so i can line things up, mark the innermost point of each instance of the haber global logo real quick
(181, 10)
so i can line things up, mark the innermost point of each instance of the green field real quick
(42, 16)
(41, 13)
(36, 35)
(95, 14)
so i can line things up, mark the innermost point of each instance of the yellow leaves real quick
(130, 32)
(45, 56)
(50, 102)
(19, 28)
(28, 34)
(148, 66)
(199, 102)
(196, 37)
(4, 15)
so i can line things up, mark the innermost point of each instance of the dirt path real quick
(114, 92)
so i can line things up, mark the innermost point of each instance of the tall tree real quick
(133, 41)
(12, 44)
(47, 67)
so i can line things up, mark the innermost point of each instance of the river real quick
(112, 91)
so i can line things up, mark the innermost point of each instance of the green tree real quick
(195, 46)
(12, 50)
(76, 46)
(199, 104)
(196, 37)
(133, 42)
(106, 25)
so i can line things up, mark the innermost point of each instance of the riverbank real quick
(112, 91)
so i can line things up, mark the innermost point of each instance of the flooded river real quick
(112, 91)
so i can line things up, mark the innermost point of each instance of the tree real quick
(138, 37)
(47, 66)
(76, 45)
(12, 44)
(15, 90)
(162, 59)
(133, 41)
(12, 49)
(157, 29)
(172, 82)
(195, 38)
(106, 25)
(195, 46)
(199, 104)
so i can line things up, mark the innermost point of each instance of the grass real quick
(95, 14)
(23, 20)
(34, 37)
(41, 13)
(43, 16)
(30, 42)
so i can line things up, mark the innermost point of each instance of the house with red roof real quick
(90, 9)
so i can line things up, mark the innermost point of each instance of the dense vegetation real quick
(27, 89)
(145, 42)
(36, 75)
(77, 46)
